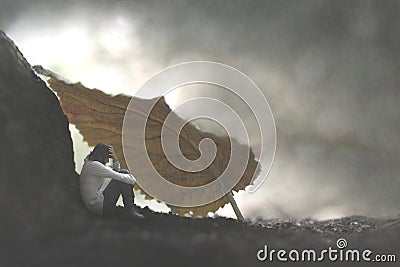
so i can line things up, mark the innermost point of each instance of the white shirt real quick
(92, 177)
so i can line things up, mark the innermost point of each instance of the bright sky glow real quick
(111, 59)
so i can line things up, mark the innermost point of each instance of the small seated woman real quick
(92, 177)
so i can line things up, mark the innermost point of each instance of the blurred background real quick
(329, 69)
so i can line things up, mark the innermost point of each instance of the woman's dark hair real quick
(100, 152)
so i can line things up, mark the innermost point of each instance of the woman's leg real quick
(111, 194)
(126, 190)
(128, 197)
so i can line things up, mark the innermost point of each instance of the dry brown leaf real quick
(99, 118)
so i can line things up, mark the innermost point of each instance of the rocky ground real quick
(43, 222)
(169, 240)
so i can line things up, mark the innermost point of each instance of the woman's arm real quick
(116, 165)
(102, 171)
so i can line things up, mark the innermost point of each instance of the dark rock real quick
(38, 192)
